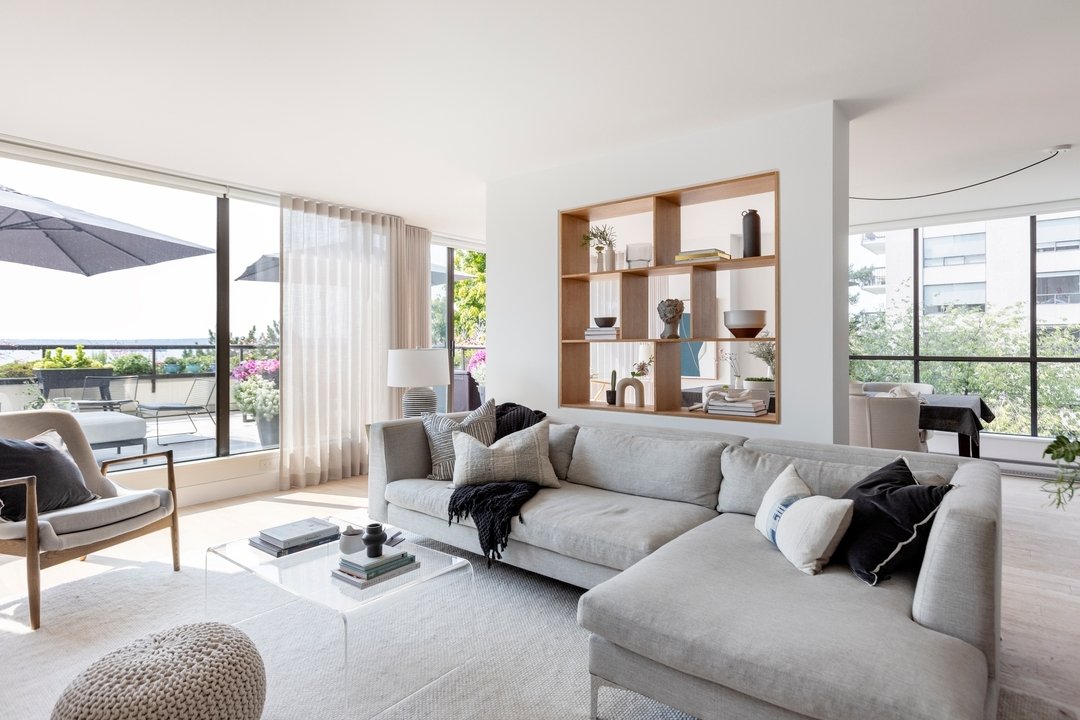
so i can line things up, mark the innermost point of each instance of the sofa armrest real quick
(959, 587)
(399, 450)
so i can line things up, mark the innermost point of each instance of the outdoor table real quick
(961, 414)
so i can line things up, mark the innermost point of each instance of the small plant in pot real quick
(600, 239)
(1065, 451)
(171, 365)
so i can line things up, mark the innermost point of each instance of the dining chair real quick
(884, 422)
(197, 402)
(117, 513)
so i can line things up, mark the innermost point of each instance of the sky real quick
(169, 300)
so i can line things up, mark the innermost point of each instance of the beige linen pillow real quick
(522, 455)
(480, 423)
(805, 527)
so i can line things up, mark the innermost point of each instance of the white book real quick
(378, 578)
(299, 532)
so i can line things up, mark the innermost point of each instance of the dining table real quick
(961, 414)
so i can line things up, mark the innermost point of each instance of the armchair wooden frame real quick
(36, 560)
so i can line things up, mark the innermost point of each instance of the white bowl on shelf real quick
(744, 323)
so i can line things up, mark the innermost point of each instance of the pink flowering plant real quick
(477, 366)
(256, 387)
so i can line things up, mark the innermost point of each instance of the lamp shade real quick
(418, 368)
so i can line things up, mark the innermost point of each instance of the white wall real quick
(808, 146)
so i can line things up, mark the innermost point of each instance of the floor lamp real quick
(418, 370)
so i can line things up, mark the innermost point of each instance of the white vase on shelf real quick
(609, 260)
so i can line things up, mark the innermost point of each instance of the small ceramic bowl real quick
(744, 323)
(606, 321)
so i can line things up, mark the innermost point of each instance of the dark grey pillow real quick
(59, 481)
(891, 522)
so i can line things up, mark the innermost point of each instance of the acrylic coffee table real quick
(330, 646)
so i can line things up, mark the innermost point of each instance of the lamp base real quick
(419, 400)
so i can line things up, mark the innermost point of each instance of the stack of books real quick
(360, 570)
(295, 536)
(599, 333)
(689, 256)
(746, 407)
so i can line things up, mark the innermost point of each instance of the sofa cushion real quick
(561, 447)
(719, 603)
(597, 526)
(480, 423)
(893, 517)
(805, 527)
(749, 473)
(661, 468)
(60, 483)
(521, 455)
(107, 511)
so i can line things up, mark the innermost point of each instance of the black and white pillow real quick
(892, 520)
(480, 424)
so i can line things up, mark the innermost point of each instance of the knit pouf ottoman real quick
(205, 671)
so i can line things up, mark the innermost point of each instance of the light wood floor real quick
(1041, 584)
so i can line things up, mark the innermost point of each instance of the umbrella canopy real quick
(268, 269)
(38, 232)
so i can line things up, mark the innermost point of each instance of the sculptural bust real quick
(670, 312)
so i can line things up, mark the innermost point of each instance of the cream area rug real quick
(511, 648)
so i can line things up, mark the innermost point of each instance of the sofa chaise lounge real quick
(691, 606)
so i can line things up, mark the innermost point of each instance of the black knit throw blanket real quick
(492, 507)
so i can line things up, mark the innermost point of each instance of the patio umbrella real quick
(268, 268)
(39, 232)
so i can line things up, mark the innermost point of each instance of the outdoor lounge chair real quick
(116, 515)
(197, 403)
(109, 392)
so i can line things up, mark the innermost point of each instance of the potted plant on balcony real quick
(1065, 452)
(60, 369)
(171, 365)
(258, 396)
(192, 365)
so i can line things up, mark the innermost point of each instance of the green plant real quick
(641, 368)
(600, 238)
(766, 353)
(37, 400)
(1064, 451)
(17, 369)
(613, 376)
(59, 358)
(132, 364)
(172, 360)
(258, 396)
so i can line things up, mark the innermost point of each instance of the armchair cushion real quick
(59, 480)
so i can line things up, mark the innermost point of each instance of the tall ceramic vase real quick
(751, 234)
(609, 259)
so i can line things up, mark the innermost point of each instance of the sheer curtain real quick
(411, 283)
(337, 315)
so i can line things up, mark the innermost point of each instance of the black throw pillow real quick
(890, 523)
(59, 481)
(511, 417)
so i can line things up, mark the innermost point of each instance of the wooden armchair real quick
(118, 514)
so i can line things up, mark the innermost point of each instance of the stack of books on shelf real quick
(599, 333)
(360, 570)
(746, 407)
(295, 536)
(689, 256)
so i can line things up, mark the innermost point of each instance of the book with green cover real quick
(363, 583)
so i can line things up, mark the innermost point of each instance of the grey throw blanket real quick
(492, 507)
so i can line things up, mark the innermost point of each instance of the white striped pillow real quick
(522, 455)
(480, 424)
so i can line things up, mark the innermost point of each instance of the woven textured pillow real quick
(522, 455)
(805, 527)
(480, 424)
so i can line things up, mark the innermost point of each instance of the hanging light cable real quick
(1056, 150)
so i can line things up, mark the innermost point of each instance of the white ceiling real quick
(410, 107)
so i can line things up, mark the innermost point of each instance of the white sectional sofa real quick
(690, 605)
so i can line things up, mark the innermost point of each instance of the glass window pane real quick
(1004, 387)
(255, 316)
(881, 370)
(130, 320)
(880, 293)
(976, 303)
(1057, 284)
(439, 285)
(1059, 398)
